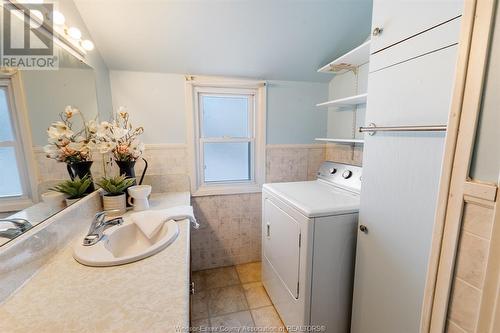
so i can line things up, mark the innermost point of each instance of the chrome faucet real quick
(17, 227)
(96, 231)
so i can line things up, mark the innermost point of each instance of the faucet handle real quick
(99, 216)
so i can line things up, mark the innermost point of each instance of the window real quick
(15, 190)
(228, 137)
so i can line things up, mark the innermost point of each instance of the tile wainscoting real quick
(344, 153)
(470, 270)
(230, 225)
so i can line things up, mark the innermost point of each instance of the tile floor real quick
(229, 298)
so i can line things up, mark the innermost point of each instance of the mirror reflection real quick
(42, 174)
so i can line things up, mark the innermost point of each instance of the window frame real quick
(11, 82)
(195, 89)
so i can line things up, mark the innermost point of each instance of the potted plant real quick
(115, 188)
(74, 189)
(72, 146)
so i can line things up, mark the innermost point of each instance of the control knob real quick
(332, 171)
(346, 174)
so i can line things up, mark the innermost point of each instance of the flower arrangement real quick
(120, 138)
(66, 144)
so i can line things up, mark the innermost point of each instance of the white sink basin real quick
(124, 244)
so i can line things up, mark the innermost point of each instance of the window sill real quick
(226, 190)
(14, 205)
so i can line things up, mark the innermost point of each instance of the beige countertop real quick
(150, 295)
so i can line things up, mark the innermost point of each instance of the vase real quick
(80, 170)
(116, 203)
(127, 169)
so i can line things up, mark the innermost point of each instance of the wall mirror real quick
(30, 101)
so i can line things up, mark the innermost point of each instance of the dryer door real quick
(281, 245)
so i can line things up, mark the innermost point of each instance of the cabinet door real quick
(398, 197)
(281, 234)
(401, 19)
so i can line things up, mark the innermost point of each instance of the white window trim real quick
(197, 84)
(22, 131)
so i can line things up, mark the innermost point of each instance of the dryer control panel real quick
(346, 176)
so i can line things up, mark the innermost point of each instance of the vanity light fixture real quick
(74, 33)
(59, 26)
(58, 18)
(87, 45)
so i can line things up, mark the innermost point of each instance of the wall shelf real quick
(347, 101)
(360, 141)
(349, 61)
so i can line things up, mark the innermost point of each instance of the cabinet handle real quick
(377, 31)
(191, 289)
(268, 230)
(363, 228)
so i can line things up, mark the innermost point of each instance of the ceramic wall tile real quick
(478, 220)
(229, 230)
(316, 156)
(471, 259)
(472, 255)
(286, 164)
(464, 305)
(344, 153)
(452, 327)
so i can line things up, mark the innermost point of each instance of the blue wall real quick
(292, 115)
(157, 102)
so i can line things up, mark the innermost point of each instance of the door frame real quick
(456, 187)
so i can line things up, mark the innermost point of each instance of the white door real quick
(400, 183)
(281, 246)
(401, 19)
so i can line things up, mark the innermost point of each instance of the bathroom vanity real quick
(150, 295)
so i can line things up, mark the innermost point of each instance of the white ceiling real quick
(268, 39)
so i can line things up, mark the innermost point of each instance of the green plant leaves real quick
(115, 185)
(75, 188)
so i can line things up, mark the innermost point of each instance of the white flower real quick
(105, 147)
(103, 129)
(70, 111)
(78, 146)
(119, 132)
(122, 111)
(92, 126)
(58, 130)
(51, 151)
(137, 145)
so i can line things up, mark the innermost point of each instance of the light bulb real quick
(74, 33)
(87, 45)
(58, 18)
(38, 14)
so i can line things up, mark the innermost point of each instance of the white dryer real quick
(308, 247)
